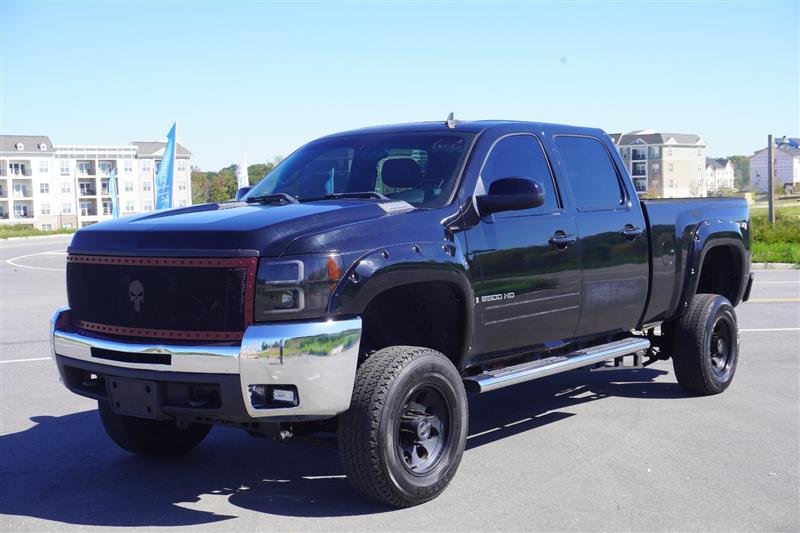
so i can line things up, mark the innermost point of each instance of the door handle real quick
(631, 232)
(561, 240)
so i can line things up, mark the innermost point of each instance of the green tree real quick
(741, 171)
(256, 173)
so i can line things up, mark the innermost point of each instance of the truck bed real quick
(674, 225)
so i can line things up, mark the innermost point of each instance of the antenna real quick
(451, 122)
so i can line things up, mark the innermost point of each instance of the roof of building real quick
(793, 152)
(650, 137)
(30, 143)
(719, 162)
(156, 148)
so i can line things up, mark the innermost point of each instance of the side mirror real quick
(511, 194)
(241, 192)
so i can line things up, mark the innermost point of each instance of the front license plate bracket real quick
(133, 397)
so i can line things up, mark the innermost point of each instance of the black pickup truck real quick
(358, 292)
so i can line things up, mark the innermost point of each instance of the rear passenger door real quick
(612, 233)
(525, 263)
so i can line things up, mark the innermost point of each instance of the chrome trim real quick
(554, 365)
(319, 358)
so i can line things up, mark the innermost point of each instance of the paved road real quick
(583, 451)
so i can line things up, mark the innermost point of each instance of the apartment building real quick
(67, 186)
(787, 169)
(665, 165)
(719, 175)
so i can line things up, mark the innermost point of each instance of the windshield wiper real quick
(360, 194)
(279, 197)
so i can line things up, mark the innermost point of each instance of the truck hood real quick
(225, 229)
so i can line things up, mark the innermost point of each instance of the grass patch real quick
(27, 230)
(779, 243)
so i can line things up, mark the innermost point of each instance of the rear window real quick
(591, 173)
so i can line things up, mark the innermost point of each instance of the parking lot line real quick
(748, 330)
(25, 360)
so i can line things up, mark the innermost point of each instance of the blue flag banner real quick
(164, 173)
(113, 192)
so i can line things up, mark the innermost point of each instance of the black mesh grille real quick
(166, 297)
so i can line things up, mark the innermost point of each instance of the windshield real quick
(419, 168)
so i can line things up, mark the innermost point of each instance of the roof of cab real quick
(472, 126)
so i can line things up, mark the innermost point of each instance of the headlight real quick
(295, 288)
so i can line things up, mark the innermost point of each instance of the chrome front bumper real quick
(318, 358)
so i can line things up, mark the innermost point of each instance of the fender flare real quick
(708, 235)
(404, 264)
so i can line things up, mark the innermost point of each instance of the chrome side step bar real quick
(496, 379)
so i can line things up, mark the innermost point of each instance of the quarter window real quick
(520, 156)
(591, 173)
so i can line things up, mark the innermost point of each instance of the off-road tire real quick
(372, 430)
(708, 318)
(150, 438)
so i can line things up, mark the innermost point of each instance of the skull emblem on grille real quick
(136, 293)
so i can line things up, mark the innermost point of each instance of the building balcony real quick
(88, 191)
(3, 215)
(23, 194)
(88, 212)
(638, 155)
(640, 184)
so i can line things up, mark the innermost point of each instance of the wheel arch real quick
(415, 276)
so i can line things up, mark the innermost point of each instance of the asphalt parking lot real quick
(582, 451)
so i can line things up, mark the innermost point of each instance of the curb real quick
(36, 237)
(775, 266)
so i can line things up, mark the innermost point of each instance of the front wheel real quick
(706, 345)
(403, 437)
(153, 438)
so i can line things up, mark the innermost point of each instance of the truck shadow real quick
(66, 470)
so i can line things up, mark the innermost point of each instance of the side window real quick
(521, 156)
(591, 173)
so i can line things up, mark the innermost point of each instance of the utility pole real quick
(771, 178)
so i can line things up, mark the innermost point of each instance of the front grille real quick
(162, 298)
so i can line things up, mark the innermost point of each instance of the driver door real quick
(525, 264)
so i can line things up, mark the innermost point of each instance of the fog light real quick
(271, 396)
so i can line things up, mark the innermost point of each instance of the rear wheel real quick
(706, 345)
(403, 437)
(153, 438)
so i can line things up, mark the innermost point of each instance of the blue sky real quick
(263, 78)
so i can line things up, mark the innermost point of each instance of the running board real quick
(496, 379)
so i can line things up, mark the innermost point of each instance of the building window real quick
(21, 190)
(19, 146)
(128, 186)
(147, 185)
(656, 168)
(44, 188)
(64, 168)
(86, 208)
(17, 169)
(128, 166)
(655, 152)
(699, 151)
(129, 206)
(20, 211)
(43, 166)
(181, 164)
(183, 203)
(66, 209)
(105, 168)
(67, 225)
(107, 207)
(84, 168)
(670, 167)
(45, 209)
(47, 227)
(147, 205)
(65, 187)
(182, 185)
(145, 166)
(669, 151)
